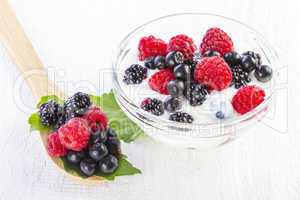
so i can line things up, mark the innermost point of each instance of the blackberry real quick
(135, 74)
(153, 105)
(77, 105)
(49, 113)
(181, 117)
(239, 77)
(60, 121)
(196, 93)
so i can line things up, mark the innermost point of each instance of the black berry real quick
(50, 112)
(195, 93)
(181, 117)
(153, 105)
(176, 88)
(149, 63)
(98, 151)
(160, 62)
(172, 104)
(182, 72)
(88, 166)
(74, 157)
(77, 105)
(174, 58)
(210, 53)
(240, 77)
(233, 58)
(263, 73)
(135, 74)
(109, 164)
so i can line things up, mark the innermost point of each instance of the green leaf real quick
(125, 169)
(127, 130)
(45, 99)
(35, 123)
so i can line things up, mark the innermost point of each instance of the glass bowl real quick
(205, 133)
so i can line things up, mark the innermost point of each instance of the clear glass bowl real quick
(195, 135)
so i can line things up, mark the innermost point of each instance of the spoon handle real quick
(23, 54)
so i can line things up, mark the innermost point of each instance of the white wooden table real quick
(75, 35)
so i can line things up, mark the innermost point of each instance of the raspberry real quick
(135, 74)
(159, 81)
(216, 39)
(151, 46)
(74, 135)
(214, 72)
(184, 44)
(96, 119)
(247, 98)
(54, 146)
(153, 105)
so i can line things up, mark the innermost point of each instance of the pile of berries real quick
(81, 135)
(183, 72)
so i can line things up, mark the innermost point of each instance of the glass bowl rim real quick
(158, 120)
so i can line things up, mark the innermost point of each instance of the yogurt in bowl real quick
(206, 130)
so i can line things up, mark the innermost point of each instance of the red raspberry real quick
(216, 39)
(151, 46)
(96, 118)
(74, 135)
(247, 98)
(159, 81)
(184, 44)
(214, 72)
(54, 146)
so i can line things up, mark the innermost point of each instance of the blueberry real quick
(113, 145)
(109, 164)
(232, 58)
(255, 56)
(88, 166)
(263, 73)
(211, 53)
(149, 63)
(98, 136)
(176, 88)
(74, 157)
(160, 62)
(220, 115)
(174, 58)
(248, 63)
(98, 151)
(182, 71)
(172, 104)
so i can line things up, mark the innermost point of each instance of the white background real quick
(78, 37)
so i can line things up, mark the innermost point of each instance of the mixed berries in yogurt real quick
(192, 76)
(81, 135)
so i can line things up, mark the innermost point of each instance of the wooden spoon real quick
(23, 54)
